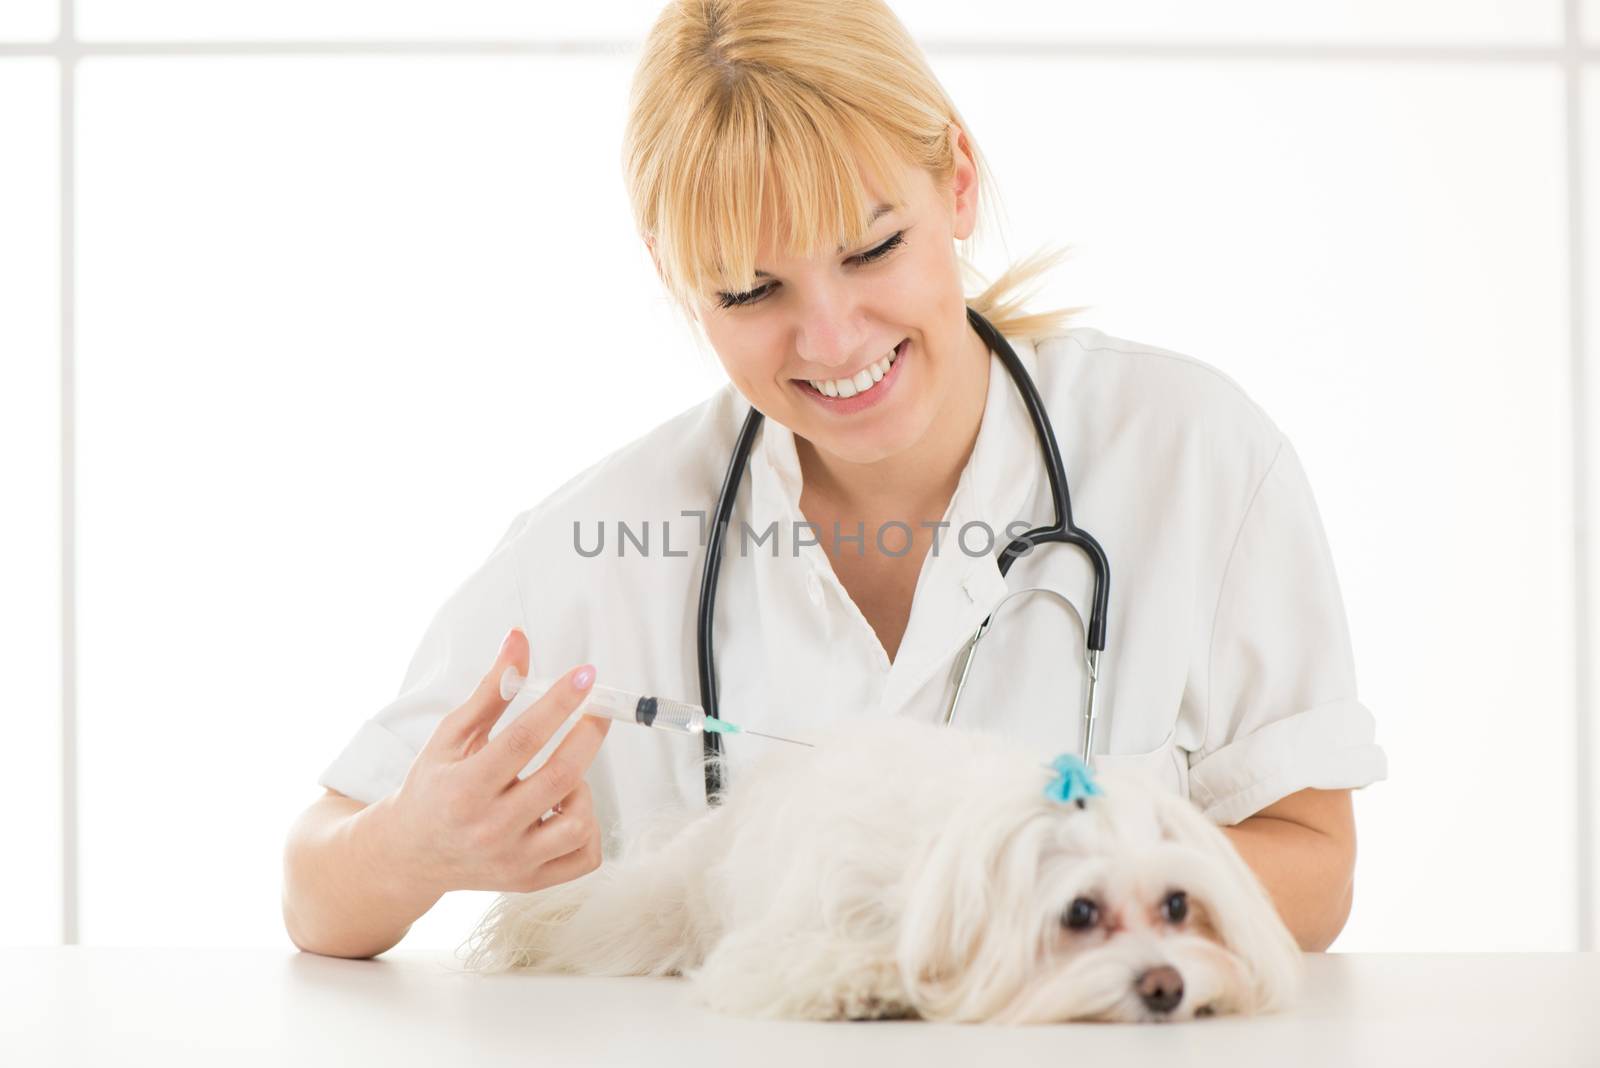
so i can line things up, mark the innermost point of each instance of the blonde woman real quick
(805, 185)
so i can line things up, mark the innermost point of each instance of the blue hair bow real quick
(1072, 780)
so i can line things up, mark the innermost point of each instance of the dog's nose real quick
(1161, 988)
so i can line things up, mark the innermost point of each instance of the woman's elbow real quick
(1332, 922)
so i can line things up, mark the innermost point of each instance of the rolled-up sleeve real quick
(458, 647)
(1282, 711)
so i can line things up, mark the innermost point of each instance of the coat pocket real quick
(1164, 766)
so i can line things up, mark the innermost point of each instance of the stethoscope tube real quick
(711, 741)
(1062, 530)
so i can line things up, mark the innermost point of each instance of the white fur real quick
(900, 869)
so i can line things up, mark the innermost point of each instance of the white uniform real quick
(1227, 673)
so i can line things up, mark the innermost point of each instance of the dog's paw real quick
(801, 978)
(856, 1005)
(792, 1004)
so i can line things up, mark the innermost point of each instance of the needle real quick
(775, 737)
(722, 726)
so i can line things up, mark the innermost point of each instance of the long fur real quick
(900, 869)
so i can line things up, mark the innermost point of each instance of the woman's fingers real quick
(567, 844)
(564, 869)
(497, 762)
(562, 774)
(576, 809)
(464, 730)
(454, 806)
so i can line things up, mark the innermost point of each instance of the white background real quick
(353, 283)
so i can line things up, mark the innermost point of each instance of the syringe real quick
(659, 712)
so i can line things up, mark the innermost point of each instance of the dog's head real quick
(1128, 906)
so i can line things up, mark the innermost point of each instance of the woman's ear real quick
(650, 244)
(963, 184)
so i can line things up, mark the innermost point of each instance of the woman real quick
(801, 180)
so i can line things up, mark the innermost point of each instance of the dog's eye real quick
(1175, 907)
(1081, 914)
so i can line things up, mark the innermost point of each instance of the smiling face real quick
(861, 350)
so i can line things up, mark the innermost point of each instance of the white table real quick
(216, 1007)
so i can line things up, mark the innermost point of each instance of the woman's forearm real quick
(1309, 871)
(342, 896)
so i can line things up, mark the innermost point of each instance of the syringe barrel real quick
(670, 715)
(646, 711)
(658, 712)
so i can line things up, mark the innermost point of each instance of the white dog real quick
(900, 869)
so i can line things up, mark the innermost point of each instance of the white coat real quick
(1227, 674)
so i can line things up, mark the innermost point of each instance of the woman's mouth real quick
(867, 387)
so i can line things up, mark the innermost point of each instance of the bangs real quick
(771, 158)
(776, 121)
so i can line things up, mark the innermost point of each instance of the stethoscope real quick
(1061, 530)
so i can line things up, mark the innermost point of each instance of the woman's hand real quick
(463, 821)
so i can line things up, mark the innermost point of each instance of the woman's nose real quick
(825, 346)
(824, 334)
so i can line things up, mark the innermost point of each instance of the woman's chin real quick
(865, 445)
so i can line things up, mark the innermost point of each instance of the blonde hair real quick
(741, 107)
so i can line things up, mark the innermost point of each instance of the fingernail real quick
(583, 678)
(507, 639)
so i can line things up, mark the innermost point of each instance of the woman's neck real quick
(915, 485)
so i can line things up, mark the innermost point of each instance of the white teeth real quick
(862, 381)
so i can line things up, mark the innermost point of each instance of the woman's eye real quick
(883, 249)
(734, 300)
(751, 296)
(1176, 907)
(1082, 914)
(730, 300)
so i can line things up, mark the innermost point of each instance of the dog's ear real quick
(958, 938)
(1243, 913)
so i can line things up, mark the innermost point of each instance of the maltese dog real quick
(904, 870)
